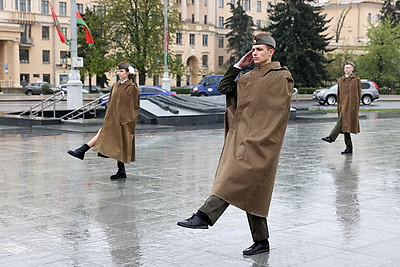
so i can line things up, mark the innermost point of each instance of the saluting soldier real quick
(348, 104)
(255, 123)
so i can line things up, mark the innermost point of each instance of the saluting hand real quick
(246, 60)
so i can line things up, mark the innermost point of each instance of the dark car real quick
(85, 89)
(207, 86)
(369, 93)
(38, 88)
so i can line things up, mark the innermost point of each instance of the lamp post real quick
(74, 85)
(166, 82)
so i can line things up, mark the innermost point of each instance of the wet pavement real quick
(328, 209)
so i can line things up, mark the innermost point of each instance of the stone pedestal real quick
(74, 87)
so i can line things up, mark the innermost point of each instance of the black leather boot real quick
(121, 174)
(79, 152)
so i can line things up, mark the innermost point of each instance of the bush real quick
(46, 89)
(180, 91)
(389, 91)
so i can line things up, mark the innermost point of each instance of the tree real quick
(391, 11)
(339, 26)
(381, 63)
(95, 62)
(298, 30)
(242, 28)
(138, 31)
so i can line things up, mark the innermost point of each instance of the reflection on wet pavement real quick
(328, 209)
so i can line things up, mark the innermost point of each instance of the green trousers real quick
(337, 130)
(214, 207)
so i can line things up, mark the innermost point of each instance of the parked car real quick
(38, 88)
(369, 93)
(145, 91)
(207, 86)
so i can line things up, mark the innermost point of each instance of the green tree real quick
(298, 28)
(95, 59)
(381, 63)
(138, 33)
(391, 11)
(242, 28)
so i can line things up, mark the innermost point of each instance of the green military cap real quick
(264, 38)
(350, 63)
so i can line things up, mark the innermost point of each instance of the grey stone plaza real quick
(328, 209)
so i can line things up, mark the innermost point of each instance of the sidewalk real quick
(328, 209)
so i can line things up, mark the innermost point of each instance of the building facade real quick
(30, 49)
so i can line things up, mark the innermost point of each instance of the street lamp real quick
(166, 82)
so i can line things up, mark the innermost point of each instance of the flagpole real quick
(74, 85)
(166, 82)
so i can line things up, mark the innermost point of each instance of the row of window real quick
(246, 4)
(24, 56)
(25, 6)
(192, 40)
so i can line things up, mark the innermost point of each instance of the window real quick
(205, 19)
(178, 81)
(205, 39)
(258, 6)
(178, 1)
(191, 39)
(45, 7)
(220, 61)
(63, 78)
(79, 7)
(220, 42)
(63, 57)
(246, 4)
(232, 60)
(369, 17)
(26, 34)
(205, 2)
(179, 59)
(63, 8)
(46, 78)
(192, 18)
(258, 24)
(178, 38)
(45, 33)
(221, 3)
(23, 5)
(204, 60)
(24, 78)
(99, 10)
(221, 22)
(46, 56)
(64, 31)
(1, 4)
(24, 56)
(269, 6)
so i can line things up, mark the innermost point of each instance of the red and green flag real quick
(58, 27)
(80, 21)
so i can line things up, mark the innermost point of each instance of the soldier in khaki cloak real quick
(255, 124)
(348, 103)
(116, 138)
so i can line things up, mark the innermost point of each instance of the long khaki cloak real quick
(349, 95)
(255, 125)
(117, 136)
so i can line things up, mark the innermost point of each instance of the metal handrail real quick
(86, 108)
(50, 101)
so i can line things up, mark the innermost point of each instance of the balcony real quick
(24, 17)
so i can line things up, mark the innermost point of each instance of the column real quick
(211, 10)
(14, 72)
(184, 10)
(196, 11)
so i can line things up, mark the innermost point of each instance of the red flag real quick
(57, 24)
(80, 21)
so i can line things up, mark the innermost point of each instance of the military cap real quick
(124, 65)
(264, 38)
(350, 63)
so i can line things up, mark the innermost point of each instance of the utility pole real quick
(74, 85)
(166, 82)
